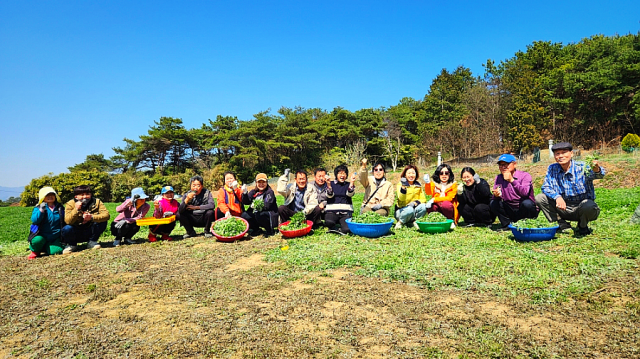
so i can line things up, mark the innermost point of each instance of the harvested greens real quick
(434, 217)
(588, 161)
(258, 205)
(369, 218)
(230, 227)
(540, 222)
(298, 221)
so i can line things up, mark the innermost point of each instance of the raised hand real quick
(476, 178)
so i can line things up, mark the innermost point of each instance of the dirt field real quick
(204, 299)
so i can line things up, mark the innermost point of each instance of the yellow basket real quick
(150, 221)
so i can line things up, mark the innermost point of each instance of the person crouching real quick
(339, 203)
(164, 207)
(132, 209)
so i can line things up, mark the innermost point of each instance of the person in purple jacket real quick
(513, 198)
(132, 209)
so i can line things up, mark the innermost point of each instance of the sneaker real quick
(69, 249)
(563, 226)
(469, 225)
(398, 225)
(208, 235)
(453, 225)
(128, 241)
(503, 229)
(33, 255)
(189, 235)
(584, 231)
(93, 245)
(152, 237)
(117, 242)
(166, 238)
(415, 225)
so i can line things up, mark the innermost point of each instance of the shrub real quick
(630, 141)
(64, 183)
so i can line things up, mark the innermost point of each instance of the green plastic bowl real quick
(435, 227)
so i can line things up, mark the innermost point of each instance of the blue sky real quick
(76, 77)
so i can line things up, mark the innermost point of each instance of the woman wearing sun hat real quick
(47, 220)
(132, 209)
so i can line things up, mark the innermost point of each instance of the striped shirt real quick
(573, 185)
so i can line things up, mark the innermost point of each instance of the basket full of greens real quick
(434, 222)
(296, 227)
(533, 230)
(369, 224)
(230, 229)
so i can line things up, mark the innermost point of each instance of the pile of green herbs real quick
(434, 217)
(529, 223)
(229, 227)
(369, 218)
(298, 221)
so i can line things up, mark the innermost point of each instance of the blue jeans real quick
(73, 235)
(409, 214)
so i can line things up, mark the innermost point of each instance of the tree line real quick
(585, 93)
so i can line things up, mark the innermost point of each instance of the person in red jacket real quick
(229, 198)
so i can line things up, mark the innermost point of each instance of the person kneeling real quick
(339, 202)
(263, 209)
(132, 209)
(86, 219)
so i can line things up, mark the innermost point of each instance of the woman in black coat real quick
(474, 195)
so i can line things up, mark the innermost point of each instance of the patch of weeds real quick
(310, 281)
(43, 283)
(70, 307)
(629, 253)
(90, 288)
(326, 274)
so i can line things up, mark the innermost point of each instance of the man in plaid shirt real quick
(567, 191)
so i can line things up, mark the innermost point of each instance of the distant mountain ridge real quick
(6, 192)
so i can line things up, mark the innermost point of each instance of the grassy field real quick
(467, 293)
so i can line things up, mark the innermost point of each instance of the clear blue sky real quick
(76, 77)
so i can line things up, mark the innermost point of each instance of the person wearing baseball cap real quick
(163, 207)
(567, 190)
(512, 194)
(263, 209)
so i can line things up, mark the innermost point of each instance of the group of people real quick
(567, 195)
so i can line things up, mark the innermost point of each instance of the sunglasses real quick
(378, 169)
(444, 173)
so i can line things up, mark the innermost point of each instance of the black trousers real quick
(162, 228)
(263, 219)
(333, 218)
(478, 214)
(128, 230)
(507, 214)
(286, 213)
(189, 220)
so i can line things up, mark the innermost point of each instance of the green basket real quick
(435, 227)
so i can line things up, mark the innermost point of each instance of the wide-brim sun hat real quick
(44, 191)
(138, 191)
